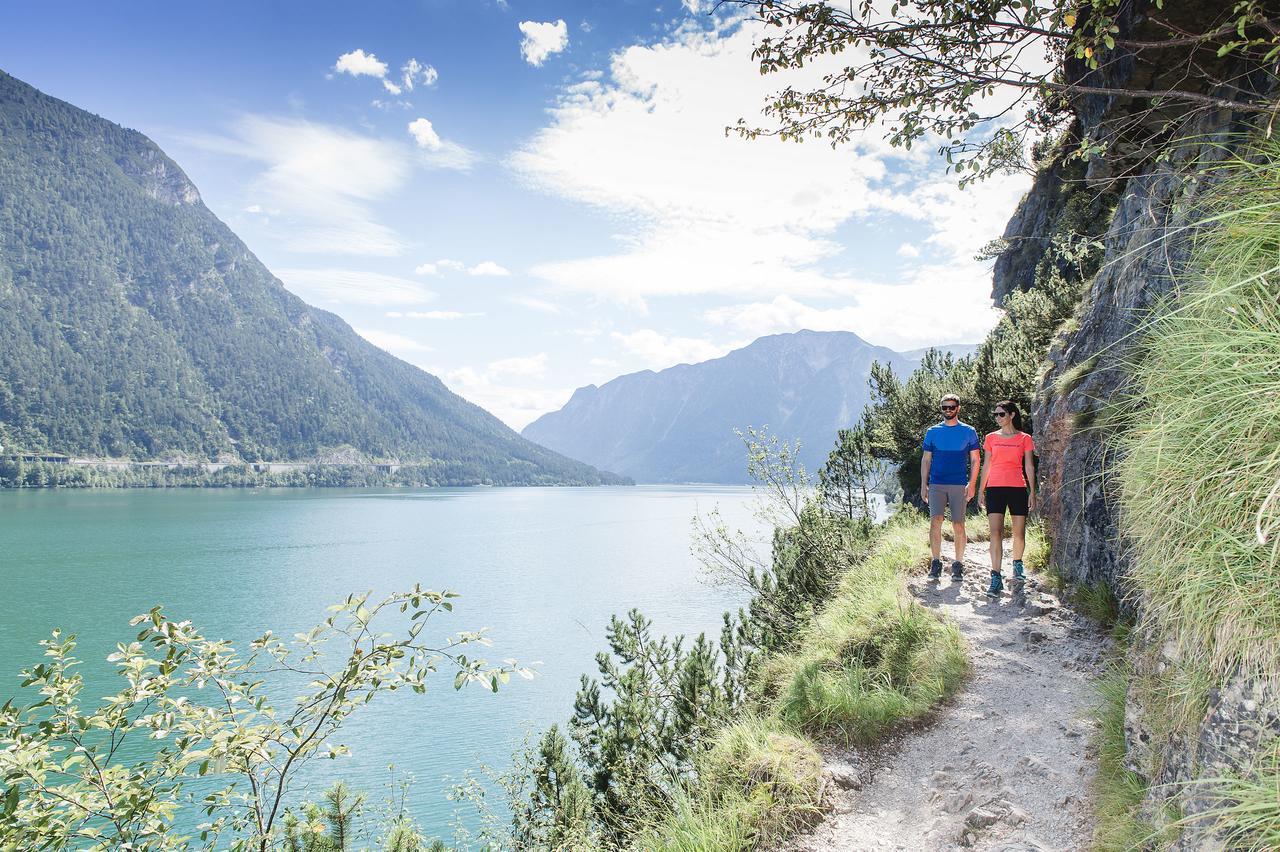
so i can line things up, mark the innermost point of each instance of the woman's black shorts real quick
(1007, 501)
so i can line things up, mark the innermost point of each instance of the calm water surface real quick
(544, 568)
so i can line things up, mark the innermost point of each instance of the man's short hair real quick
(950, 396)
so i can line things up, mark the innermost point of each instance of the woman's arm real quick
(982, 486)
(1029, 465)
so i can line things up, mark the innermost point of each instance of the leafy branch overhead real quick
(983, 78)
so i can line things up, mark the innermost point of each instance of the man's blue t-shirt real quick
(950, 446)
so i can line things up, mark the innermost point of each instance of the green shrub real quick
(872, 658)
(757, 784)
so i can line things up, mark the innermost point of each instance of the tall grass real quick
(1200, 477)
(756, 785)
(873, 658)
(1117, 792)
(1247, 806)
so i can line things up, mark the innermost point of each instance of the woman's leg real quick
(996, 523)
(1019, 535)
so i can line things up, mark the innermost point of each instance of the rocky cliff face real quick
(1147, 236)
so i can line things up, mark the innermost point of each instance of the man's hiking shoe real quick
(957, 570)
(997, 584)
(1019, 572)
(935, 569)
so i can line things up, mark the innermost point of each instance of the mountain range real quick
(135, 324)
(677, 425)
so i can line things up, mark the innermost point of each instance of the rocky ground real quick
(1008, 764)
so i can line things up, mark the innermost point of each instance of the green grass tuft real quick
(1117, 792)
(757, 784)
(1071, 378)
(1247, 806)
(873, 658)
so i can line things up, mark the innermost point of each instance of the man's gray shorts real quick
(941, 496)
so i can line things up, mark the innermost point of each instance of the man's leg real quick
(935, 536)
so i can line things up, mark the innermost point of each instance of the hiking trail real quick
(1007, 764)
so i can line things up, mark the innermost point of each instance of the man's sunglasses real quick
(949, 407)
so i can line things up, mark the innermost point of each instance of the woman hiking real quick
(1008, 486)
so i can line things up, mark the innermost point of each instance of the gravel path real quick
(1008, 764)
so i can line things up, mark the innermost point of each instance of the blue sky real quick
(526, 197)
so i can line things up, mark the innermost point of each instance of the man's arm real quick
(925, 461)
(975, 464)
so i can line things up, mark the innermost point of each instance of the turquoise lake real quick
(543, 568)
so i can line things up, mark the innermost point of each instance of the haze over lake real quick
(544, 568)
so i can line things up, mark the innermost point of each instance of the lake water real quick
(544, 568)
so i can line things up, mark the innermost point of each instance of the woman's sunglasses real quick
(999, 414)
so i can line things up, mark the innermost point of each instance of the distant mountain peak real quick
(677, 425)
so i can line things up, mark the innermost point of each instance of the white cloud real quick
(536, 304)
(533, 366)
(323, 181)
(353, 287)
(438, 152)
(513, 404)
(488, 267)
(426, 269)
(659, 351)
(908, 250)
(432, 315)
(253, 208)
(414, 72)
(391, 87)
(702, 213)
(542, 39)
(393, 343)
(932, 308)
(357, 63)
(455, 265)
(425, 135)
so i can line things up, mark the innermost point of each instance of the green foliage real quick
(664, 703)
(1117, 792)
(873, 658)
(1205, 436)
(73, 776)
(1246, 806)
(852, 474)
(134, 324)
(757, 784)
(557, 812)
(928, 70)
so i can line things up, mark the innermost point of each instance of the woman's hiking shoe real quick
(957, 570)
(1019, 572)
(935, 569)
(997, 584)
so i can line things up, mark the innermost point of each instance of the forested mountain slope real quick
(134, 323)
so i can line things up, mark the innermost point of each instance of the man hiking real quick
(948, 477)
